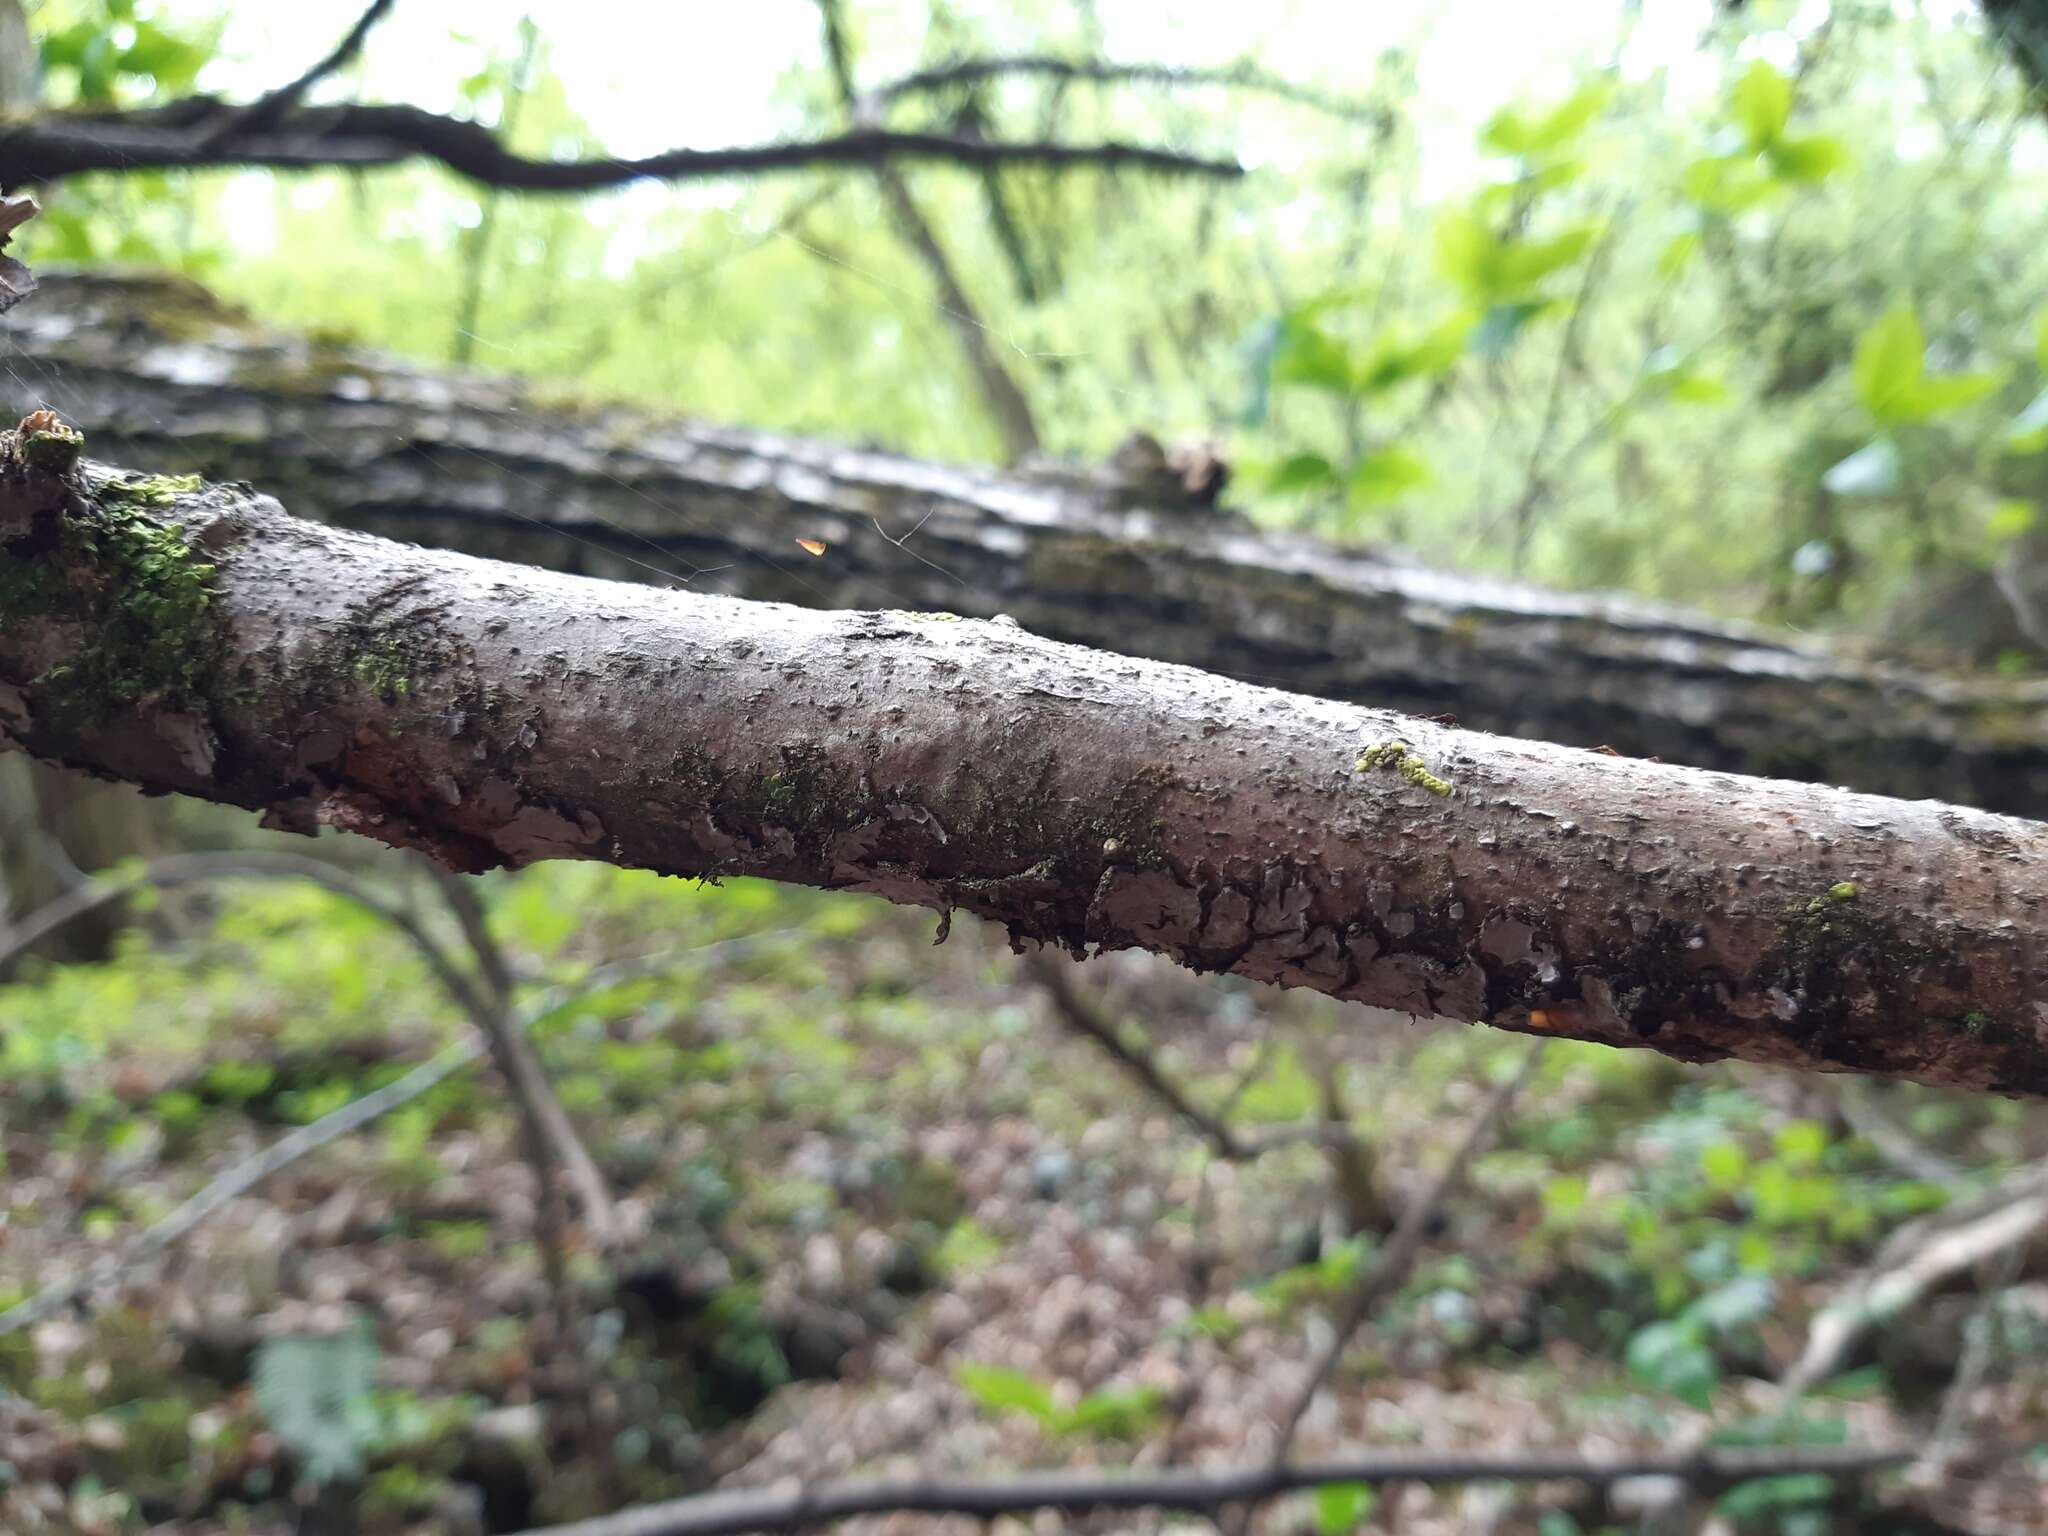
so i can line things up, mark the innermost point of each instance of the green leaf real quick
(1309, 355)
(1678, 254)
(1119, 1413)
(1729, 184)
(1002, 1390)
(1571, 117)
(1890, 363)
(1869, 471)
(1525, 263)
(1943, 393)
(1742, 1301)
(1726, 1166)
(1764, 1496)
(1342, 1507)
(1300, 472)
(1502, 325)
(1808, 159)
(1507, 132)
(1673, 1358)
(2041, 340)
(2029, 430)
(1465, 251)
(1386, 476)
(315, 1393)
(1564, 1195)
(1395, 360)
(1761, 103)
(1512, 131)
(1801, 1144)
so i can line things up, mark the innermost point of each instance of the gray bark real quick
(160, 374)
(201, 641)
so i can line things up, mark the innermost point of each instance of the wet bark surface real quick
(199, 640)
(162, 375)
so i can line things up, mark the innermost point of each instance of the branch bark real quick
(201, 641)
(163, 375)
(39, 150)
(1199, 1491)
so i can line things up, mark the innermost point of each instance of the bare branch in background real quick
(267, 110)
(1236, 77)
(1389, 1267)
(365, 137)
(248, 1174)
(1007, 405)
(524, 1074)
(786, 1507)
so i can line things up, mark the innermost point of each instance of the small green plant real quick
(316, 1392)
(1113, 1413)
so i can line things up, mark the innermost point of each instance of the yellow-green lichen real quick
(157, 491)
(1401, 758)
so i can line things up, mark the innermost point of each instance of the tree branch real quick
(251, 1172)
(201, 641)
(1236, 77)
(1388, 1269)
(1200, 1492)
(360, 137)
(265, 112)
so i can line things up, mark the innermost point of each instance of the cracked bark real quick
(491, 714)
(161, 374)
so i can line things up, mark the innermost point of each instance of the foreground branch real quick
(1200, 1492)
(199, 640)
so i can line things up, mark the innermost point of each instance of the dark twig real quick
(1237, 77)
(246, 1175)
(1005, 398)
(1053, 974)
(367, 136)
(206, 868)
(267, 110)
(787, 1506)
(1391, 1265)
(525, 1075)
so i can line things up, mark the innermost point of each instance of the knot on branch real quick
(38, 477)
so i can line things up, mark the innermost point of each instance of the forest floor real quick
(880, 1210)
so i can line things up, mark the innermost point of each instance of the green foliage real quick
(316, 1392)
(1343, 1507)
(1111, 1413)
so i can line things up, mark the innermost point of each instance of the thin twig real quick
(249, 1173)
(266, 110)
(529, 1079)
(1885, 1293)
(1236, 77)
(787, 1507)
(208, 868)
(1000, 391)
(1053, 975)
(1391, 1265)
(1862, 1115)
(246, 1175)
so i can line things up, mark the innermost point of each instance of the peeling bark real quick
(161, 374)
(199, 640)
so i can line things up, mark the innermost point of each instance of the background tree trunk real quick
(159, 373)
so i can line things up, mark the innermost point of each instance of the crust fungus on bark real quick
(195, 638)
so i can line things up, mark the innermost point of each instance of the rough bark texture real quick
(163, 375)
(199, 640)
